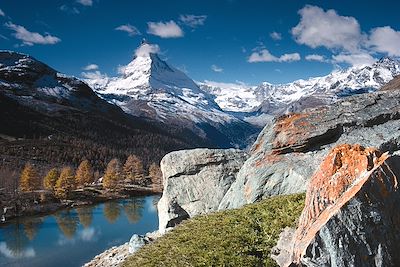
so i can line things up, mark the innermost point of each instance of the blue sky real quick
(226, 41)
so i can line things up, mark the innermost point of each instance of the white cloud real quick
(276, 36)
(315, 57)
(31, 38)
(262, 56)
(385, 40)
(265, 56)
(91, 67)
(85, 2)
(145, 49)
(289, 57)
(165, 29)
(131, 30)
(328, 29)
(216, 68)
(93, 75)
(193, 20)
(354, 59)
(2, 13)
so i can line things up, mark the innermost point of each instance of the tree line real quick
(62, 181)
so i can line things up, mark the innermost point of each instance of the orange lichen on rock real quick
(339, 178)
(291, 128)
(269, 158)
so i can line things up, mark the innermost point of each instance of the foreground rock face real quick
(351, 215)
(195, 181)
(288, 151)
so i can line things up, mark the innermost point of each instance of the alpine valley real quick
(153, 109)
(199, 133)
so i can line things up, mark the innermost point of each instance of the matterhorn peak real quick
(147, 74)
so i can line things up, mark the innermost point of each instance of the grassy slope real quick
(241, 237)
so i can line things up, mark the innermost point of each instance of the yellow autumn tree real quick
(29, 179)
(112, 175)
(155, 176)
(65, 183)
(84, 174)
(50, 180)
(133, 169)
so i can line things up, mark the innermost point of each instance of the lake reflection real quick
(82, 233)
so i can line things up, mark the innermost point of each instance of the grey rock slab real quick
(195, 181)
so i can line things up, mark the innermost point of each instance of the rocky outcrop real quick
(115, 256)
(195, 182)
(288, 151)
(351, 213)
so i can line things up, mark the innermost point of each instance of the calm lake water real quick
(73, 237)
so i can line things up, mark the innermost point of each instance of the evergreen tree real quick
(155, 176)
(112, 175)
(29, 179)
(133, 169)
(50, 180)
(84, 174)
(65, 183)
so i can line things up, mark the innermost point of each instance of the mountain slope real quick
(53, 120)
(150, 88)
(300, 94)
(392, 85)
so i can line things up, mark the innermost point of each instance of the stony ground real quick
(112, 257)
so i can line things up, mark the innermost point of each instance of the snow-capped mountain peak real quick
(147, 73)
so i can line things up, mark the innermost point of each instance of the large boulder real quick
(351, 215)
(195, 181)
(288, 151)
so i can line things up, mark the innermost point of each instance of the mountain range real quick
(152, 106)
(268, 98)
(149, 87)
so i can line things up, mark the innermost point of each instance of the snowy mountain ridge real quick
(326, 89)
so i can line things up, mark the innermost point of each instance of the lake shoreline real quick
(42, 202)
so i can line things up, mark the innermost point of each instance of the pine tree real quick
(50, 180)
(84, 174)
(133, 169)
(65, 183)
(112, 175)
(155, 176)
(29, 179)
